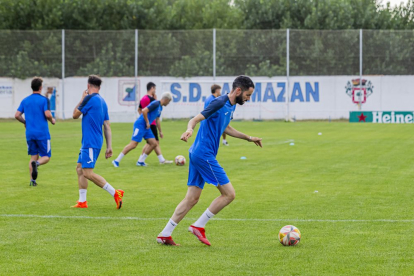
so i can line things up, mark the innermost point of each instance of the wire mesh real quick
(25, 54)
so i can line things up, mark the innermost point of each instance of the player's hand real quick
(85, 93)
(53, 121)
(257, 141)
(161, 135)
(148, 125)
(108, 153)
(186, 135)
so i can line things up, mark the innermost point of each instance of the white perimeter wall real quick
(320, 97)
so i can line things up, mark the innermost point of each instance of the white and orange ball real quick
(289, 235)
(180, 160)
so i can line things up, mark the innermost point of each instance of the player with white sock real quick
(204, 167)
(94, 113)
(142, 130)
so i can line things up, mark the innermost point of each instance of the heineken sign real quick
(381, 117)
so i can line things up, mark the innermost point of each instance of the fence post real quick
(136, 72)
(287, 75)
(214, 53)
(360, 69)
(63, 74)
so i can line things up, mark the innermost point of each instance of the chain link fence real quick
(205, 53)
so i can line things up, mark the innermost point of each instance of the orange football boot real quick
(119, 194)
(80, 205)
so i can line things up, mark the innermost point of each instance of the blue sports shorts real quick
(205, 169)
(88, 157)
(140, 132)
(41, 147)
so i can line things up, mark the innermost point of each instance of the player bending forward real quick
(95, 115)
(142, 130)
(204, 167)
(37, 112)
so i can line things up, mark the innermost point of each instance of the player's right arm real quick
(108, 138)
(205, 114)
(145, 114)
(19, 117)
(76, 111)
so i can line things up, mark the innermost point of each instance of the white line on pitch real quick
(223, 219)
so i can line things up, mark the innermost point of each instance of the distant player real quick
(95, 115)
(142, 130)
(155, 125)
(204, 167)
(37, 112)
(215, 92)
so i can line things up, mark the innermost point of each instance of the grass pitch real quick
(348, 190)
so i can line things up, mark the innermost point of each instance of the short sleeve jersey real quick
(218, 115)
(155, 109)
(34, 107)
(95, 112)
(145, 101)
(208, 101)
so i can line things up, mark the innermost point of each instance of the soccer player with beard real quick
(204, 167)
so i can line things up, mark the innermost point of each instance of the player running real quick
(142, 130)
(204, 167)
(95, 115)
(155, 125)
(37, 112)
(215, 92)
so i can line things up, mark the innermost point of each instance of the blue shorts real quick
(41, 147)
(140, 132)
(88, 157)
(203, 170)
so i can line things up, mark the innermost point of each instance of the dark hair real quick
(214, 87)
(244, 82)
(150, 85)
(36, 83)
(95, 80)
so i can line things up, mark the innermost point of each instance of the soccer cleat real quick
(33, 183)
(200, 233)
(34, 170)
(166, 162)
(116, 163)
(80, 205)
(166, 241)
(225, 143)
(141, 164)
(119, 194)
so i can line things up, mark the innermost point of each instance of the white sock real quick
(161, 158)
(169, 228)
(224, 141)
(82, 195)
(205, 217)
(109, 189)
(142, 158)
(119, 158)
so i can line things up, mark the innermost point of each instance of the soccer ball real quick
(180, 160)
(289, 235)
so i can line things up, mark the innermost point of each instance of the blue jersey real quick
(218, 115)
(34, 107)
(155, 109)
(208, 101)
(95, 112)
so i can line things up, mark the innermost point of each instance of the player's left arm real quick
(108, 138)
(158, 122)
(237, 134)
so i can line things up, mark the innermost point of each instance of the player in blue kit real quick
(204, 167)
(37, 112)
(142, 130)
(215, 92)
(95, 115)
